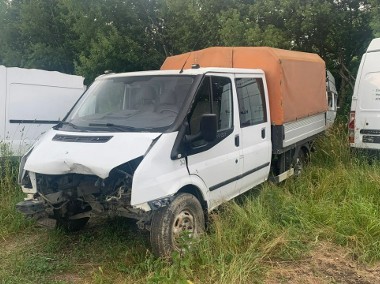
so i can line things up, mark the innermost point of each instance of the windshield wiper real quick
(61, 123)
(114, 126)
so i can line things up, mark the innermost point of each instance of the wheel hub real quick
(183, 226)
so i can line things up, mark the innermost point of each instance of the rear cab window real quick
(251, 98)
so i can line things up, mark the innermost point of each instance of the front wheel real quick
(173, 225)
(66, 223)
(69, 225)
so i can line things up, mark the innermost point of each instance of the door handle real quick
(237, 140)
(263, 133)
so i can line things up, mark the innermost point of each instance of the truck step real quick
(283, 176)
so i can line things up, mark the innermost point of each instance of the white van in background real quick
(31, 102)
(332, 99)
(364, 123)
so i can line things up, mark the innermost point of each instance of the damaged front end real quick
(72, 198)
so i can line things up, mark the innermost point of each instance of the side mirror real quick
(208, 127)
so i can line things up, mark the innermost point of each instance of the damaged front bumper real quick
(75, 197)
(79, 196)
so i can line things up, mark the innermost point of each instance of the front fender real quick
(159, 176)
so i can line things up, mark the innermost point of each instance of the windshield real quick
(140, 103)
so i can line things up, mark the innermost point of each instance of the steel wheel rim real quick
(298, 167)
(183, 227)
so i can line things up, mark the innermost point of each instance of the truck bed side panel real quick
(291, 133)
(299, 130)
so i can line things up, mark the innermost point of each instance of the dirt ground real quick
(327, 263)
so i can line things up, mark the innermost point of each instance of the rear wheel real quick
(300, 162)
(175, 225)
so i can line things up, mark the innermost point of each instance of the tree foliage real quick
(375, 21)
(34, 35)
(89, 36)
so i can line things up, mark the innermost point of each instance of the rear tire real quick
(300, 162)
(172, 225)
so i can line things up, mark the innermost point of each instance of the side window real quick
(214, 96)
(250, 92)
(222, 102)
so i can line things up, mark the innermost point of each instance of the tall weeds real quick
(336, 199)
(10, 193)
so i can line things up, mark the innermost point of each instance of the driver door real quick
(216, 163)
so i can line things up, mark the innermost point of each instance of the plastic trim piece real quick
(238, 177)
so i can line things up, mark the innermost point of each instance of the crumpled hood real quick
(96, 158)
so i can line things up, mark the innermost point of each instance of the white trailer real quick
(31, 102)
(364, 123)
(332, 98)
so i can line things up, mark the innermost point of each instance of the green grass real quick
(336, 199)
(10, 194)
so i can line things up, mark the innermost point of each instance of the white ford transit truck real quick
(364, 123)
(166, 147)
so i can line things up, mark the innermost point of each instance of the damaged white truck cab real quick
(136, 140)
(165, 147)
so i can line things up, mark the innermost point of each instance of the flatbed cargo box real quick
(296, 80)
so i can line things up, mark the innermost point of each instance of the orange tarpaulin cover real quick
(296, 80)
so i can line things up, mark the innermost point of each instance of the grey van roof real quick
(374, 45)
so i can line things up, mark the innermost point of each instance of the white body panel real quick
(159, 176)
(221, 163)
(86, 158)
(31, 102)
(3, 92)
(366, 100)
(216, 165)
(303, 128)
(256, 148)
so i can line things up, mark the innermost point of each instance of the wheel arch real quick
(192, 189)
(306, 149)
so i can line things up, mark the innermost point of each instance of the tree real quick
(111, 34)
(337, 30)
(375, 17)
(33, 35)
(111, 51)
(90, 36)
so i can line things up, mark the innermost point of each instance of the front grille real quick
(370, 131)
(81, 139)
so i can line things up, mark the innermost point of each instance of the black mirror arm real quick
(192, 138)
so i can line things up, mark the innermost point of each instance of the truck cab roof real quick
(195, 71)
